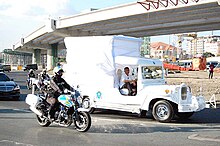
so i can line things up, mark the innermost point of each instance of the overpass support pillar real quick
(36, 57)
(52, 57)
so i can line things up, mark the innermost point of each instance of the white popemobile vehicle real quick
(97, 65)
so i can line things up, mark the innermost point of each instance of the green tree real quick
(208, 54)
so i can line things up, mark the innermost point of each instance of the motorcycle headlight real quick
(17, 87)
(79, 99)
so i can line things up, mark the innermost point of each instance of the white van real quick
(96, 66)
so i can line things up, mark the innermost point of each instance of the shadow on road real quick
(206, 116)
(138, 128)
(13, 111)
(22, 98)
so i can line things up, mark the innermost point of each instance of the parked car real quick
(8, 88)
(30, 66)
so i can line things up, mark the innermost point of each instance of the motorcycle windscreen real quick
(66, 100)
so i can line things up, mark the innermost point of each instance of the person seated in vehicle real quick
(58, 85)
(30, 75)
(128, 82)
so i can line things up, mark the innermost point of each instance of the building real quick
(163, 51)
(198, 46)
(15, 58)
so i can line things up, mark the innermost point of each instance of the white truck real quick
(96, 65)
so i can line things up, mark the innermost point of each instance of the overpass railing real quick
(147, 4)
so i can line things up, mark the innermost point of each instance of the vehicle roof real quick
(3, 73)
(127, 60)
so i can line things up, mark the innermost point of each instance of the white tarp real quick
(90, 60)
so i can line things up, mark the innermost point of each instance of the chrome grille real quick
(183, 93)
(6, 88)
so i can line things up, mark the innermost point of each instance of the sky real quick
(18, 18)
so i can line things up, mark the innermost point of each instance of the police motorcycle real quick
(69, 111)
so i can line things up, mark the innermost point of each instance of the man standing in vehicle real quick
(128, 82)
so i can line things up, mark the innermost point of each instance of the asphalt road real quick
(18, 126)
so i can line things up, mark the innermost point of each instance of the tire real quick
(42, 121)
(184, 116)
(84, 122)
(86, 104)
(163, 111)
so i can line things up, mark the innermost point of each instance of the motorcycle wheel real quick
(84, 122)
(42, 121)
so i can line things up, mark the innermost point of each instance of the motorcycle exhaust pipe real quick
(36, 111)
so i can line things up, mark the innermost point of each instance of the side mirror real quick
(12, 79)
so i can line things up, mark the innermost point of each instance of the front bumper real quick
(14, 93)
(198, 104)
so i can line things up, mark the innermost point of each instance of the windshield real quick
(4, 77)
(151, 72)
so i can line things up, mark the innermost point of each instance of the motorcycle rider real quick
(44, 75)
(58, 85)
(30, 75)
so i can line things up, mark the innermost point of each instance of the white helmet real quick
(31, 70)
(44, 70)
(57, 70)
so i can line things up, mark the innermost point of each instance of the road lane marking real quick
(23, 110)
(16, 143)
(204, 138)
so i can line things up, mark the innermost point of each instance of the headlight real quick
(17, 87)
(79, 100)
(184, 93)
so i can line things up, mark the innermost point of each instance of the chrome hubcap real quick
(162, 111)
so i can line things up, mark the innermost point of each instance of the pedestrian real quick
(211, 70)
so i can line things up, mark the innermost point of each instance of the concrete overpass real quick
(142, 18)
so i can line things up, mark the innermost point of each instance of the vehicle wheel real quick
(184, 116)
(42, 121)
(87, 105)
(84, 122)
(163, 111)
